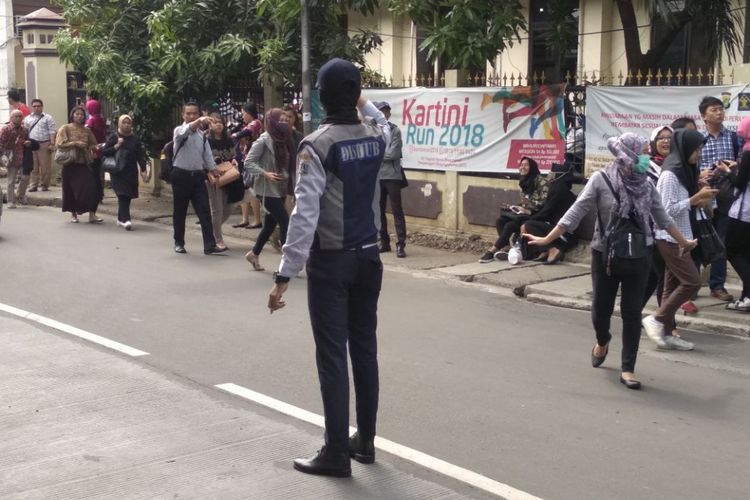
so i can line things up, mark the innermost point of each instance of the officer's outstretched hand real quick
(275, 301)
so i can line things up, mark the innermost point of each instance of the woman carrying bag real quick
(272, 159)
(76, 148)
(620, 191)
(222, 194)
(129, 155)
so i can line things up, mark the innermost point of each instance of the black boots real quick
(326, 463)
(361, 450)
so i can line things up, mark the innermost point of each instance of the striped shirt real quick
(676, 201)
(42, 130)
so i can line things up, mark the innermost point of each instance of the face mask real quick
(643, 163)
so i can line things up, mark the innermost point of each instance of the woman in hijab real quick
(638, 199)
(533, 195)
(679, 192)
(80, 185)
(661, 142)
(131, 155)
(271, 158)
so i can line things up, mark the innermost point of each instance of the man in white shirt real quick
(42, 129)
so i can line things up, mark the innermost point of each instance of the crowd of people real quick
(681, 198)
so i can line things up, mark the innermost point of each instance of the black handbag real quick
(115, 163)
(710, 247)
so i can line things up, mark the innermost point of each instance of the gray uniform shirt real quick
(192, 151)
(391, 168)
(597, 196)
(309, 190)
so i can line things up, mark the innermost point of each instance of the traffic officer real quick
(336, 223)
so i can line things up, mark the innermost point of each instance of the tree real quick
(147, 56)
(716, 18)
(465, 33)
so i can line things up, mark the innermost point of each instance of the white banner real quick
(611, 111)
(485, 129)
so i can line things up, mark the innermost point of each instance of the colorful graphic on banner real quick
(611, 111)
(487, 129)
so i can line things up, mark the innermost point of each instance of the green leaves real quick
(465, 33)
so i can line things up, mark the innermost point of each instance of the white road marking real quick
(447, 469)
(72, 330)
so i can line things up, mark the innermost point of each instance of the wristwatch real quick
(277, 278)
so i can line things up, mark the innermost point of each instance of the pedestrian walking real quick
(13, 137)
(738, 230)
(98, 125)
(335, 222)
(245, 138)
(130, 156)
(222, 198)
(42, 130)
(619, 192)
(192, 161)
(720, 152)
(76, 148)
(392, 181)
(680, 196)
(270, 159)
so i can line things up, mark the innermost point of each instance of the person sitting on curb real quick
(533, 195)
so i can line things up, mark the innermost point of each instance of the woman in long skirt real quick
(79, 184)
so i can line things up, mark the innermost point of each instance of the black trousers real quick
(123, 208)
(738, 251)
(276, 214)
(342, 296)
(506, 225)
(631, 277)
(189, 186)
(392, 189)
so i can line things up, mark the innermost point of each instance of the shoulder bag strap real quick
(34, 125)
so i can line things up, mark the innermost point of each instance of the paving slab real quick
(575, 287)
(475, 268)
(518, 277)
(84, 423)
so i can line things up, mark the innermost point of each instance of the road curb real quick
(710, 326)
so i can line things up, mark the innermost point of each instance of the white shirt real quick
(43, 129)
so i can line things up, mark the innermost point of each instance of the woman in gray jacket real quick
(639, 200)
(271, 159)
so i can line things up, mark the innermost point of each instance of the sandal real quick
(74, 220)
(241, 224)
(95, 220)
(254, 260)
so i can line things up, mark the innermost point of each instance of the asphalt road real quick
(488, 382)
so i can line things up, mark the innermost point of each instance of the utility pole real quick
(306, 78)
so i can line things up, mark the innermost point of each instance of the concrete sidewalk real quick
(82, 422)
(564, 285)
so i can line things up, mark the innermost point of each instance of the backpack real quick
(624, 238)
(166, 157)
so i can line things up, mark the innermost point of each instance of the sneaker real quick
(33, 189)
(677, 344)
(487, 257)
(120, 224)
(501, 255)
(654, 330)
(128, 225)
(740, 305)
(722, 294)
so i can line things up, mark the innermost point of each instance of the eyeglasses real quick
(664, 139)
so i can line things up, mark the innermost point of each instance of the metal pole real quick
(306, 77)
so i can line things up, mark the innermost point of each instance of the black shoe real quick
(215, 249)
(385, 248)
(33, 190)
(597, 361)
(400, 253)
(361, 450)
(487, 257)
(630, 384)
(326, 463)
(45, 188)
(180, 249)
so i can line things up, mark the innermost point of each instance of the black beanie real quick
(339, 83)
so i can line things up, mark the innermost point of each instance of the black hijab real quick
(527, 181)
(684, 142)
